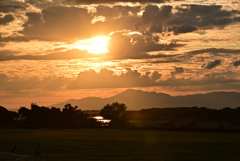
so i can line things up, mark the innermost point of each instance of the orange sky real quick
(55, 50)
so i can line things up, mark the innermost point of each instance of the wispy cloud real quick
(114, 1)
(69, 54)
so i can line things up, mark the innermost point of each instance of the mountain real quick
(137, 100)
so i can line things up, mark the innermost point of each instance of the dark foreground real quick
(124, 145)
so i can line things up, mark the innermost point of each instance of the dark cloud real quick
(155, 76)
(183, 28)
(236, 63)
(202, 15)
(114, 1)
(11, 8)
(17, 38)
(120, 47)
(155, 15)
(187, 18)
(236, 19)
(34, 19)
(213, 64)
(24, 39)
(7, 55)
(114, 24)
(106, 11)
(212, 51)
(178, 70)
(6, 19)
(67, 23)
(164, 61)
(215, 50)
(117, 10)
(59, 22)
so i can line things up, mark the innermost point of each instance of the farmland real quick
(122, 144)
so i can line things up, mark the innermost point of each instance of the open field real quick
(124, 145)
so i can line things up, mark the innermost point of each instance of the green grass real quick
(123, 145)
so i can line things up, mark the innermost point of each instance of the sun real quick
(95, 45)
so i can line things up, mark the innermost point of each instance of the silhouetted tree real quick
(7, 117)
(72, 117)
(23, 114)
(4, 118)
(45, 117)
(55, 117)
(115, 112)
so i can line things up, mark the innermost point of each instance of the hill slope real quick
(136, 100)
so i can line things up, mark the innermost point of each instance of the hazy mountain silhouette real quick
(137, 99)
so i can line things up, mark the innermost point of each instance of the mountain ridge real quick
(137, 100)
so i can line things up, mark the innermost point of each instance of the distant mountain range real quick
(137, 100)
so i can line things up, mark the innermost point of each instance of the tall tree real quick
(115, 112)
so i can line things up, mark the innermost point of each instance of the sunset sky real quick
(55, 50)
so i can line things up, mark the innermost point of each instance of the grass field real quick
(124, 145)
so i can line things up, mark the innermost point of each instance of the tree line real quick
(67, 117)
(73, 117)
(199, 118)
(188, 113)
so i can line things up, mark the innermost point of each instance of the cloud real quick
(59, 22)
(236, 63)
(69, 23)
(185, 18)
(183, 28)
(164, 61)
(154, 14)
(23, 39)
(213, 64)
(121, 47)
(208, 81)
(16, 83)
(114, 1)
(6, 19)
(107, 12)
(7, 55)
(214, 50)
(186, 85)
(132, 78)
(116, 18)
(117, 11)
(113, 25)
(220, 52)
(203, 15)
(11, 8)
(178, 70)
(107, 79)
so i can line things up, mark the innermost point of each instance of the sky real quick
(55, 50)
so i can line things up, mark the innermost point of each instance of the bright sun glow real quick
(96, 45)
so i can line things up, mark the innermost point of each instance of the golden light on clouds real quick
(98, 18)
(48, 46)
(96, 45)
